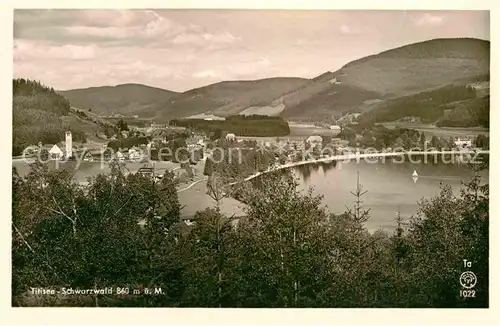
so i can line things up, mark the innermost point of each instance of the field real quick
(431, 130)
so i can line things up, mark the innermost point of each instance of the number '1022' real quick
(468, 293)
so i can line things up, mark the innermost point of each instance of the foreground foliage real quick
(287, 251)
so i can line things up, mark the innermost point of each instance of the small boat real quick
(415, 174)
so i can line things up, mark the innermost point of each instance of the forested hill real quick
(403, 71)
(450, 106)
(126, 99)
(32, 94)
(441, 48)
(41, 114)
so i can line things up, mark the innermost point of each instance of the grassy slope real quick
(330, 100)
(90, 129)
(227, 98)
(126, 99)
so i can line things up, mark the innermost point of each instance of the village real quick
(157, 154)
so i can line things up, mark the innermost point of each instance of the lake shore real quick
(431, 130)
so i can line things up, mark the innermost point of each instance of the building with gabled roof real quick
(56, 153)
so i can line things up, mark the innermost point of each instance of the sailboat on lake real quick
(414, 176)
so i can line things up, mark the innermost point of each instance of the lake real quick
(91, 169)
(390, 186)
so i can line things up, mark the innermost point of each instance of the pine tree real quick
(357, 213)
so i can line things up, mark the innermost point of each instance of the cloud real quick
(204, 38)
(183, 49)
(108, 27)
(429, 20)
(99, 32)
(114, 28)
(248, 68)
(27, 50)
(345, 29)
(225, 37)
(244, 69)
(206, 74)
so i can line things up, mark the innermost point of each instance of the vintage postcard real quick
(243, 158)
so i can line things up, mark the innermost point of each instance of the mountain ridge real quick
(129, 98)
(392, 73)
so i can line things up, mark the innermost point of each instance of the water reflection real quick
(390, 186)
(307, 169)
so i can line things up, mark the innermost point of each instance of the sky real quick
(184, 49)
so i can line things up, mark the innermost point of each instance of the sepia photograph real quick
(243, 158)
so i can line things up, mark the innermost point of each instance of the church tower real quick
(69, 144)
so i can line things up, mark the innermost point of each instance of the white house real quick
(230, 137)
(461, 143)
(56, 153)
(314, 139)
(88, 157)
(335, 127)
(119, 156)
(134, 154)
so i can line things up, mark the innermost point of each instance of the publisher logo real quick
(468, 280)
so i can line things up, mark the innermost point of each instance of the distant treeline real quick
(37, 111)
(240, 125)
(131, 121)
(128, 142)
(250, 161)
(427, 105)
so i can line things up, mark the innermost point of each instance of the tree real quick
(439, 242)
(208, 169)
(285, 245)
(436, 143)
(179, 150)
(327, 140)
(208, 272)
(450, 144)
(379, 144)
(69, 236)
(287, 251)
(481, 141)
(422, 141)
(399, 241)
(399, 143)
(357, 213)
(109, 132)
(122, 125)
(407, 141)
(217, 189)
(347, 134)
(37, 115)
